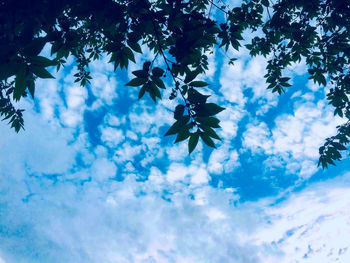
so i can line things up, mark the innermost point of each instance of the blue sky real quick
(92, 179)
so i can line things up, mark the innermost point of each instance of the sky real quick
(93, 179)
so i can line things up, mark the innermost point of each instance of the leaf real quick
(158, 82)
(192, 142)
(285, 84)
(339, 146)
(179, 110)
(124, 61)
(8, 70)
(175, 128)
(182, 135)
(41, 72)
(210, 132)
(207, 140)
(198, 84)
(285, 79)
(157, 72)
(195, 97)
(136, 82)
(152, 94)
(155, 89)
(210, 121)
(55, 47)
(146, 65)
(130, 55)
(31, 88)
(34, 47)
(208, 109)
(191, 75)
(42, 61)
(140, 73)
(265, 3)
(184, 89)
(135, 46)
(142, 91)
(20, 83)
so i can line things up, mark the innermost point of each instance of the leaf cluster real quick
(182, 34)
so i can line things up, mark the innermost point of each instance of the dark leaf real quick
(191, 75)
(41, 72)
(175, 128)
(209, 131)
(42, 61)
(210, 121)
(159, 82)
(34, 47)
(182, 135)
(20, 83)
(135, 46)
(140, 73)
(8, 70)
(198, 84)
(207, 140)
(339, 146)
(129, 55)
(208, 109)
(157, 72)
(142, 91)
(179, 110)
(154, 88)
(193, 141)
(146, 65)
(136, 82)
(31, 88)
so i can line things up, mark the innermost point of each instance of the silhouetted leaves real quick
(179, 35)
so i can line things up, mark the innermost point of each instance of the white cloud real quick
(257, 138)
(111, 136)
(72, 114)
(113, 120)
(126, 152)
(103, 169)
(311, 226)
(178, 151)
(247, 74)
(229, 119)
(176, 172)
(295, 138)
(42, 147)
(231, 85)
(104, 88)
(223, 160)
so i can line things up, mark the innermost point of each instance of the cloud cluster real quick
(59, 212)
(294, 139)
(135, 197)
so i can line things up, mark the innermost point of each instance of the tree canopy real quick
(181, 33)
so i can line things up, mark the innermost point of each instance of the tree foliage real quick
(181, 33)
